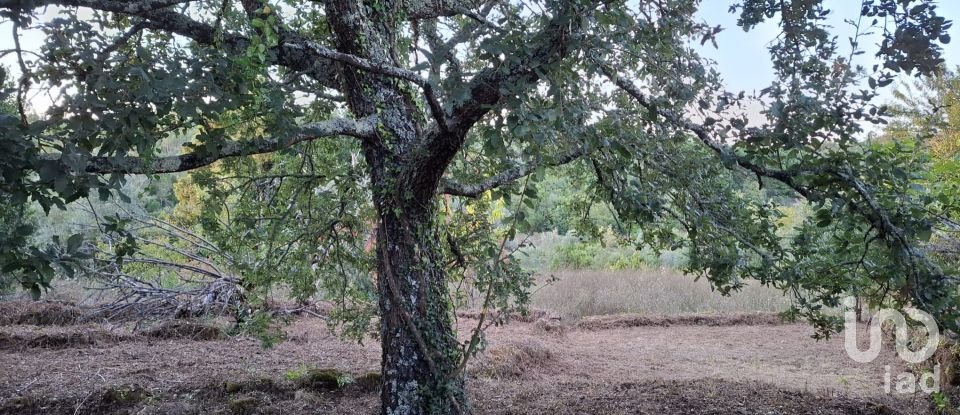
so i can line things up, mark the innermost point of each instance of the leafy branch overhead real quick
(380, 151)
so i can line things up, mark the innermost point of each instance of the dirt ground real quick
(620, 365)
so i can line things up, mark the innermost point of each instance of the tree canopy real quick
(316, 127)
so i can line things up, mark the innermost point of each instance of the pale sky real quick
(742, 57)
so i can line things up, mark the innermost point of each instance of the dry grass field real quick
(732, 363)
(578, 293)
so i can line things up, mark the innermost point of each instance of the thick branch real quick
(872, 210)
(127, 7)
(164, 20)
(507, 176)
(552, 44)
(384, 69)
(786, 177)
(363, 129)
(429, 9)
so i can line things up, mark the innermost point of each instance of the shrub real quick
(575, 256)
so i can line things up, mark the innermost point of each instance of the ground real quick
(750, 364)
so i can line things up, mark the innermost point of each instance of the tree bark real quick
(420, 348)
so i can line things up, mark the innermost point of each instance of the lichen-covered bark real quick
(420, 350)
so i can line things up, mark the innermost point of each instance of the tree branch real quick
(158, 19)
(507, 176)
(442, 51)
(363, 129)
(786, 177)
(551, 45)
(430, 9)
(122, 40)
(872, 211)
(126, 7)
(381, 68)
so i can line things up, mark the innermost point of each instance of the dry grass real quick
(682, 369)
(653, 291)
(532, 314)
(23, 338)
(615, 321)
(38, 313)
(513, 359)
(186, 329)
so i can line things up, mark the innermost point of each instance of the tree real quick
(473, 98)
(927, 114)
(928, 111)
(12, 234)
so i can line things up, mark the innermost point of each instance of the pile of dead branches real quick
(185, 276)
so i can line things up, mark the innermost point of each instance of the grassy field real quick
(578, 293)
(55, 364)
(719, 353)
(578, 278)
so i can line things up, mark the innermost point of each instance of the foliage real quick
(319, 126)
(571, 253)
(927, 116)
(296, 219)
(15, 227)
(30, 268)
(13, 224)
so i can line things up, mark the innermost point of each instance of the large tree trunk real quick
(420, 348)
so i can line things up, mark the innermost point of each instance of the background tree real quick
(927, 115)
(373, 108)
(14, 233)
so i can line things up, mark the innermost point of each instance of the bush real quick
(8, 283)
(553, 252)
(575, 256)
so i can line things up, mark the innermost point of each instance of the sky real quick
(742, 58)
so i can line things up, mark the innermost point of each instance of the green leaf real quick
(74, 242)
